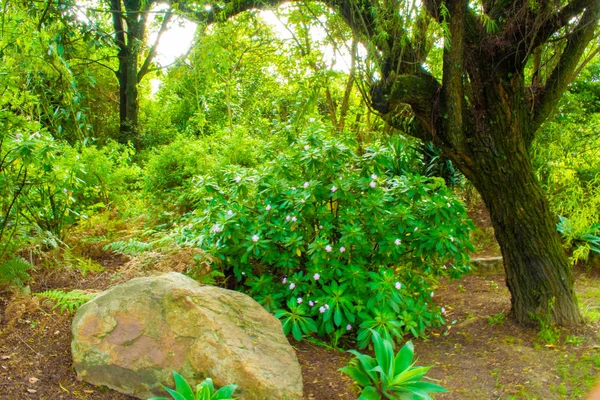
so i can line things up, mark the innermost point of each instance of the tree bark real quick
(538, 273)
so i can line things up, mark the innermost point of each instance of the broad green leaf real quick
(429, 387)
(224, 393)
(176, 395)
(411, 375)
(182, 387)
(355, 373)
(369, 393)
(404, 358)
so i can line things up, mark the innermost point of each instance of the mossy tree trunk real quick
(484, 116)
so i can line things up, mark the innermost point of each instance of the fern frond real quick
(69, 301)
(13, 272)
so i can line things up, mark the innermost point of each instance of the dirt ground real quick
(480, 354)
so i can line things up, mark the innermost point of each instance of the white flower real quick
(416, 229)
(431, 294)
(18, 136)
(327, 306)
(65, 191)
(333, 189)
(398, 285)
(328, 248)
(243, 273)
(373, 184)
(320, 226)
(302, 201)
(348, 327)
(397, 242)
(342, 249)
(287, 217)
(311, 303)
(293, 188)
(443, 311)
(292, 286)
(216, 228)
(316, 276)
(311, 120)
(268, 207)
(294, 219)
(299, 300)
(306, 184)
(229, 212)
(451, 239)
(373, 176)
(306, 147)
(284, 280)
(255, 238)
(322, 309)
(237, 179)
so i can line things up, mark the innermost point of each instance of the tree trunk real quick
(129, 121)
(538, 273)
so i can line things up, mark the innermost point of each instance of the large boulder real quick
(131, 337)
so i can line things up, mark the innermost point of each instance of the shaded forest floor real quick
(480, 354)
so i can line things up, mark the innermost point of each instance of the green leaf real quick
(412, 374)
(355, 373)
(429, 387)
(182, 387)
(296, 332)
(369, 393)
(175, 395)
(337, 316)
(404, 358)
(224, 393)
(384, 353)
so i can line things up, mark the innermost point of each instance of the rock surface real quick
(132, 336)
(488, 263)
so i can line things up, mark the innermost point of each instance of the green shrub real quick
(389, 376)
(330, 242)
(204, 390)
(171, 171)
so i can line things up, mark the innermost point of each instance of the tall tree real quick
(484, 112)
(130, 23)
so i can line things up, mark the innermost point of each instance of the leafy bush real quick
(330, 242)
(48, 185)
(204, 390)
(170, 171)
(583, 239)
(389, 376)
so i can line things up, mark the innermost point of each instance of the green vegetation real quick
(66, 301)
(204, 390)
(332, 194)
(389, 375)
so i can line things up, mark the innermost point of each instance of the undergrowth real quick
(66, 301)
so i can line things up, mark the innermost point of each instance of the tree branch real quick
(452, 80)
(152, 53)
(562, 74)
(561, 19)
(419, 91)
